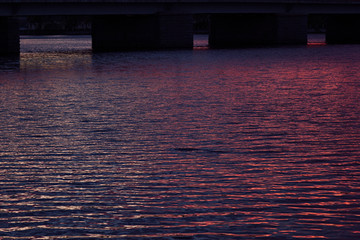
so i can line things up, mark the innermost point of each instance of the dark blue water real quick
(259, 143)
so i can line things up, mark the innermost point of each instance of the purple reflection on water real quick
(258, 143)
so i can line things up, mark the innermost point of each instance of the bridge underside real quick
(160, 31)
(238, 30)
(119, 33)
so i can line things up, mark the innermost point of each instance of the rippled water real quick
(259, 143)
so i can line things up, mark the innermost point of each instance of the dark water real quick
(259, 143)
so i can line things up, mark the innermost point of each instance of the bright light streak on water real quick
(259, 143)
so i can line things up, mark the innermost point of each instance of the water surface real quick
(258, 143)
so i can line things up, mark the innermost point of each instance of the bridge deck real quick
(188, 1)
(110, 7)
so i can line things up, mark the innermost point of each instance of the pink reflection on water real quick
(246, 144)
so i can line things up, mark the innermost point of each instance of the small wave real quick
(200, 150)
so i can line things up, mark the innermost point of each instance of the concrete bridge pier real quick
(343, 29)
(137, 32)
(175, 31)
(292, 29)
(9, 36)
(239, 30)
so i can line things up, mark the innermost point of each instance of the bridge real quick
(156, 24)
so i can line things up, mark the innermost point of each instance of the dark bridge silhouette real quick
(155, 24)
